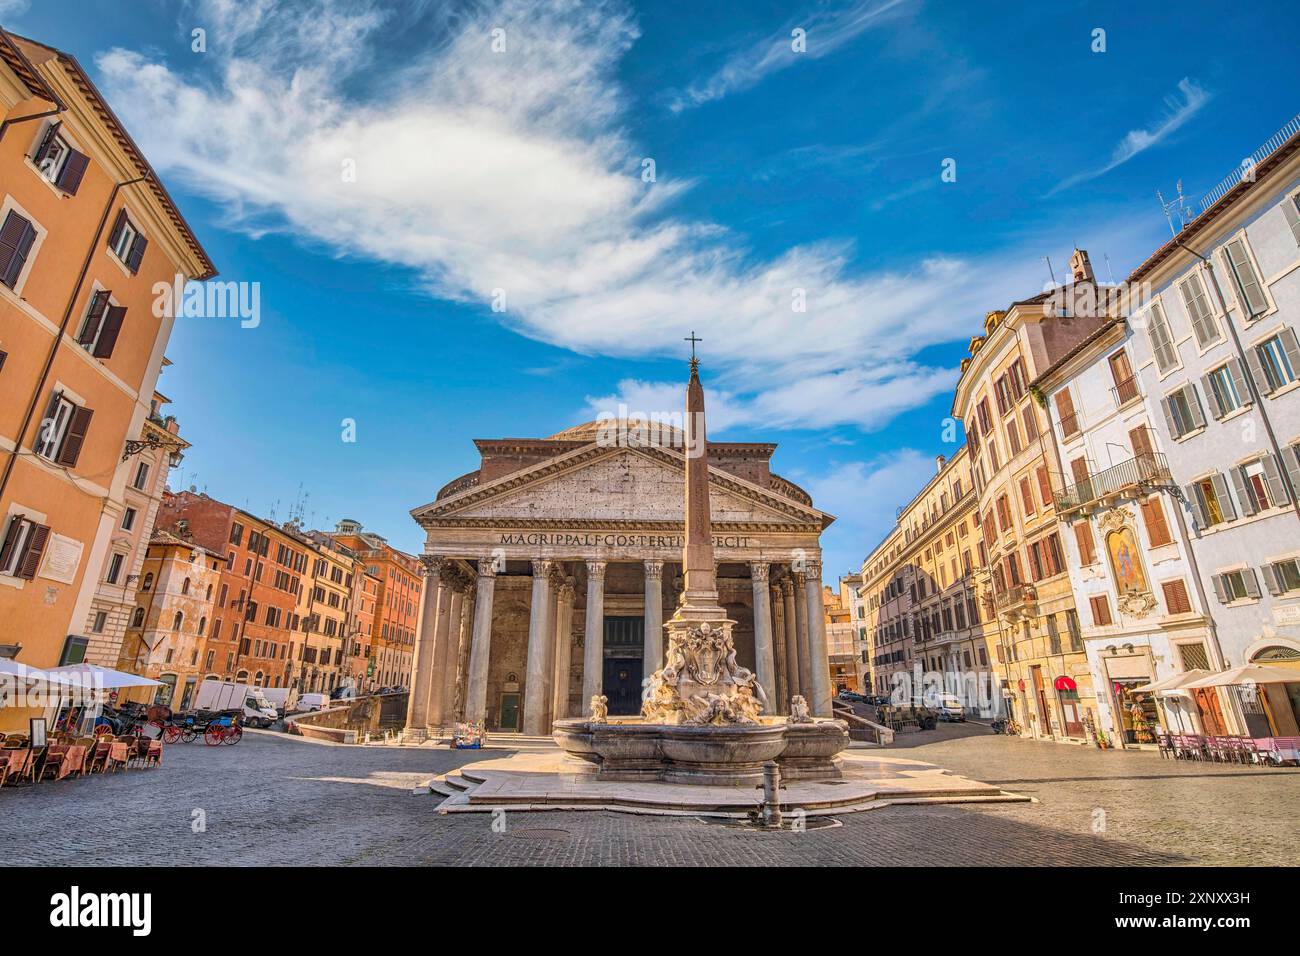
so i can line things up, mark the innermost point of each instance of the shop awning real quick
(1250, 674)
(1065, 683)
(1170, 684)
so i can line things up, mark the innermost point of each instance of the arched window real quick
(137, 618)
(203, 625)
(178, 621)
(148, 582)
(209, 594)
(185, 586)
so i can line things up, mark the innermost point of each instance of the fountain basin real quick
(709, 754)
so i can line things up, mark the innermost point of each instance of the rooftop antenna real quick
(1050, 270)
(1109, 271)
(1167, 206)
(1185, 211)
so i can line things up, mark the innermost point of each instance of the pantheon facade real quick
(551, 569)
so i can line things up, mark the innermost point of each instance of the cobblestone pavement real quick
(270, 801)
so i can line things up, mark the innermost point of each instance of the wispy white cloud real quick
(825, 31)
(513, 174)
(1179, 108)
(13, 8)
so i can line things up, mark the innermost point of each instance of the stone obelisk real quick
(700, 683)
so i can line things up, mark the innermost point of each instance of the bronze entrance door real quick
(510, 712)
(624, 664)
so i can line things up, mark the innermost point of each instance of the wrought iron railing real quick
(1125, 391)
(1142, 471)
(1015, 596)
(1069, 425)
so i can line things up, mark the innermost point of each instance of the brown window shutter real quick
(116, 232)
(1100, 611)
(1065, 410)
(94, 316)
(35, 548)
(1176, 597)
(112, 326)
(11, 537)
(50, 132)
(136, 253)
(16, 238)
(73, 170)
(1044, 487)
(1087, 546)
(1153, 516)
(1140, 439)
(75, 437)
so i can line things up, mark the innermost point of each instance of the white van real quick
(950, 707)
(313, 702)
(227, 695)
(283, 699)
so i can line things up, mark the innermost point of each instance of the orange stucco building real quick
(86, 231)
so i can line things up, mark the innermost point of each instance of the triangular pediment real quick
(616, 485)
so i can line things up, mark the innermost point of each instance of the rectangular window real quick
(1121, 373)
(114, 568)
(1044, 486)
(1283, 577)
(1153, 518)
(1183, 412)
(16, 238)
(1275, 362)
(1013, 437)
(101, 619)
(1031, 423)
(1245, 281)
(1210, 501)
(1176, 599)
(74, 651)
(126, 242)
(1087, 544)
(141, 479)
(128, 519)
(1140, 441)
(1100, 610)
(1236, 586)
(1204, 325)
(63, 431)
(1065, 411)
(1027, 496)
(1226, 389)
(1258, 485)
(58, 162)
(1162, 343)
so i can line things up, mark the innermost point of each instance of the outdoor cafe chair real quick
(97, 759)
(1165, 744)
(53, 758)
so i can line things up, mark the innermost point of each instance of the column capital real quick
(596, 569)
(758, 571)
(432, 564)
(541, 567)
(487, 567)
(654, 568)
(812, 568)
(797, 579)
(787, 585)
(566, 590)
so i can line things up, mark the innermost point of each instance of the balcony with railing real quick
(1016, 598)
(1135, 476)
(1070, 425)
(1125, 392)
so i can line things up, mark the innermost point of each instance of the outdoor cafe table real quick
(119, 752)
(73, 762)
(20, 762)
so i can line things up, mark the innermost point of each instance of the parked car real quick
(852, 695)
(949, 707)
(309, 702)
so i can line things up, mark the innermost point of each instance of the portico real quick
(559, 560)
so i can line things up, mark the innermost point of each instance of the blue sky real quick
(518, 176)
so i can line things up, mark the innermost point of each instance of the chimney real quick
(939, 462)
(1081, 267)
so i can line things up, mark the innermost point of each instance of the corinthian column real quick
(537, 689)
(793, 677)
(818, 656)
(442, 658)
(417, 706)
(764, 659)
(798, 590)
(481, 643)
(563, 649)
(447, 694)
(782, 703)
(464, 638)
(654, 617)
(593, 654)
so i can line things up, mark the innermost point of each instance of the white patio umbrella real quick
(17, 669)
(1249, 674)
(92, 675)
(1175, 683)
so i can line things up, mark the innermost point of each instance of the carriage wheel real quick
(188, 734)
(234, 735)
(171, 734)
(101, 729)
(212, 736)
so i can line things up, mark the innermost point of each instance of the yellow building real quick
(1013, 462)
(921, 596)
